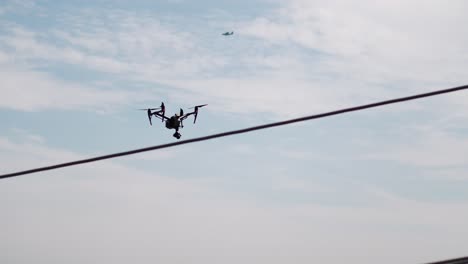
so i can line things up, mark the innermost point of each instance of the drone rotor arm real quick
(195, 112)
(161, 116)
(186, 116)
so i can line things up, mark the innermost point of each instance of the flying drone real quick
(175, 121)
(228, 33)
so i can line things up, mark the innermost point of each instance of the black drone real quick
(175, 121)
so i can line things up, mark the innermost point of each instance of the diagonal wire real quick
(463, 260)
(235, 132)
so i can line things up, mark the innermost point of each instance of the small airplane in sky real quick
(175, 121)
(228, 33)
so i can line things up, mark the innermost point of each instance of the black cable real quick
(463, 260)
(234, 132)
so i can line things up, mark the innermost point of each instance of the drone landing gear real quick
(177, 135)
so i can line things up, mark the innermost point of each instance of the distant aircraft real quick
(228, 33)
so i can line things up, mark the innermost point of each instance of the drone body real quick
(175, 121)
(228, 33)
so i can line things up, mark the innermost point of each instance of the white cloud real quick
(364, 55)
(3, 58)
(432, 149)
(99, 209)
(34, 91)
(242, 149)
(362, 50)
(16, 156)
(108, 212)
(115, 42)
(376, 41)
(289, 183)
(282, 96)
(29, 46)
(28, 137)
(17, 6)
(365, 52)
(144, 50)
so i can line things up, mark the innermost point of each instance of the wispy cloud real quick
(17, 6)
(27, 90)
(431, 150)
(324, 56)
(377, 42)
(302, 57)
(133, 204)
(112, 203)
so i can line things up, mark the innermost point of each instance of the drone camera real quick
(177, 135)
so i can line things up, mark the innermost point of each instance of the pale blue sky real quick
(386, 183)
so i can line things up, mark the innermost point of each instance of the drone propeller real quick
(146, 109)
(198, 106)
(196, 111)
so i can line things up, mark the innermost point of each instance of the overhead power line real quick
(463, 260)
(234, 132)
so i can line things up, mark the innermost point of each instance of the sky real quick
(386, 185)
